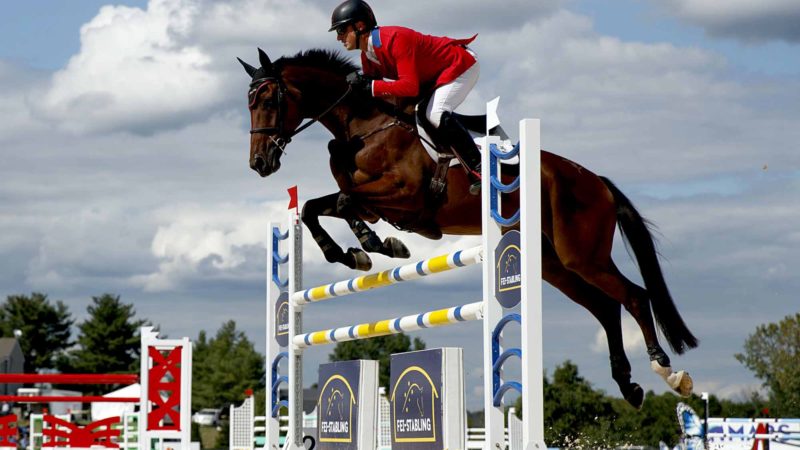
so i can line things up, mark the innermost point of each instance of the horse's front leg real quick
(369, 240)
(354, 258)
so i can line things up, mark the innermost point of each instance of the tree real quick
(656, 421)
(772, 353)
(45, 328)
(379, 349)
(108, 341)
(224, 367)
(576, 415)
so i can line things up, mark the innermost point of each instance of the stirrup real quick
(475, 188)
(475, 177)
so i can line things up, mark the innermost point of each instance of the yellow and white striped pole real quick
(437, 318)
(408, 272)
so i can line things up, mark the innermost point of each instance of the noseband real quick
(277, 133)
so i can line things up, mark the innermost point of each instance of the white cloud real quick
(135, 71)
(199, 241)
(631, 337)
(632, 110)
(755, 21)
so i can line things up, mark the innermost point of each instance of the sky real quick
(125, 161)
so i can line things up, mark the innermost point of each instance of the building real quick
(11, 361)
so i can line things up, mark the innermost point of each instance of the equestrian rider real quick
(414, 61)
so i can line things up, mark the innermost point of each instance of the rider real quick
(414, 61)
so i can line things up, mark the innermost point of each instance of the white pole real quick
(492, 311)
(531, 306)
(294, 438)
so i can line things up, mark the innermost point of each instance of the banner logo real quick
(337, 410)
(282, 319)
(508, 270)
(416, 414)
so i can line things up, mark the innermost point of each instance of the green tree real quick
(224, 367)
(656, 421)
(108, 341)
(575, 414)
(45, 328)
(379, 349)
(772, 353)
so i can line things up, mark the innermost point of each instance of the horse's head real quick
(274, 115)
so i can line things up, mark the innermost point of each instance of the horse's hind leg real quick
(391, 246)
(354, 258)
(582, 238)
(607, 312)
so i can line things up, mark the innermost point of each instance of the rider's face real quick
(347, 36)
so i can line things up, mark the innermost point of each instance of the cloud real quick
(631, 337)
(16, 85)
(744, 20)
(171, 64)
(473, 17)
(135, 71)
(226, 241)
(669, 112)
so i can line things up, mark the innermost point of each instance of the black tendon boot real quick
(459, 139)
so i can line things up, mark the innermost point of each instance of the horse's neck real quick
(355, 117)
(351, 117)
(318, 90)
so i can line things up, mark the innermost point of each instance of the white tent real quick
(111, 409)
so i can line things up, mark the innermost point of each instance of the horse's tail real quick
(634, 229)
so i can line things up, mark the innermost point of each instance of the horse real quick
(383, 173)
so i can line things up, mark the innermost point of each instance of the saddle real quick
(343, 153)
(445, 156)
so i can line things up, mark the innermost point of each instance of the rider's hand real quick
(359, 82)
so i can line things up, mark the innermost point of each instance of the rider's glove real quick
(359, 82)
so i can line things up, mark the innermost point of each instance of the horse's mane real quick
(338, 64)
(320, 59)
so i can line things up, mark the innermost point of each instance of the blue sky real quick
(125, 146)
(46, 33)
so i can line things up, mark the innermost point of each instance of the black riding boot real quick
(459, 139)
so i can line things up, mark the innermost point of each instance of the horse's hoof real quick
(681, 382)
(635, 397)
(394, 248)
(359, 258)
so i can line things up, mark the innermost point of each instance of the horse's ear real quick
(266, 64)
(248, 68)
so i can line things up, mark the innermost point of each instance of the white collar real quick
(370, 52)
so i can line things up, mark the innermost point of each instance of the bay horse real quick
(383, 172)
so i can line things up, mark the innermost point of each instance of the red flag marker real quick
(293, 198)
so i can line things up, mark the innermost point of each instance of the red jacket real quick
(415, 61)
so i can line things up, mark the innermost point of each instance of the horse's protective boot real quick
(459, 139)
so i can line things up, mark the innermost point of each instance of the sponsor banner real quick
(282, 319)
(337, 405)
(416, 412)
(508, 270)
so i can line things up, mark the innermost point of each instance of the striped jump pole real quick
(286, 299)
(415, 271)
(414, 322)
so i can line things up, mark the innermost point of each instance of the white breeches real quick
(449, 96)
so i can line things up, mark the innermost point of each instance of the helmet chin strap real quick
(358, 37)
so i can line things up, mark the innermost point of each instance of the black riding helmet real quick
(351, 11)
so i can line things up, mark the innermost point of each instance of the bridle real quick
(277, 133)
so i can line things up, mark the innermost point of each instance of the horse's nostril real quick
(257, 162)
